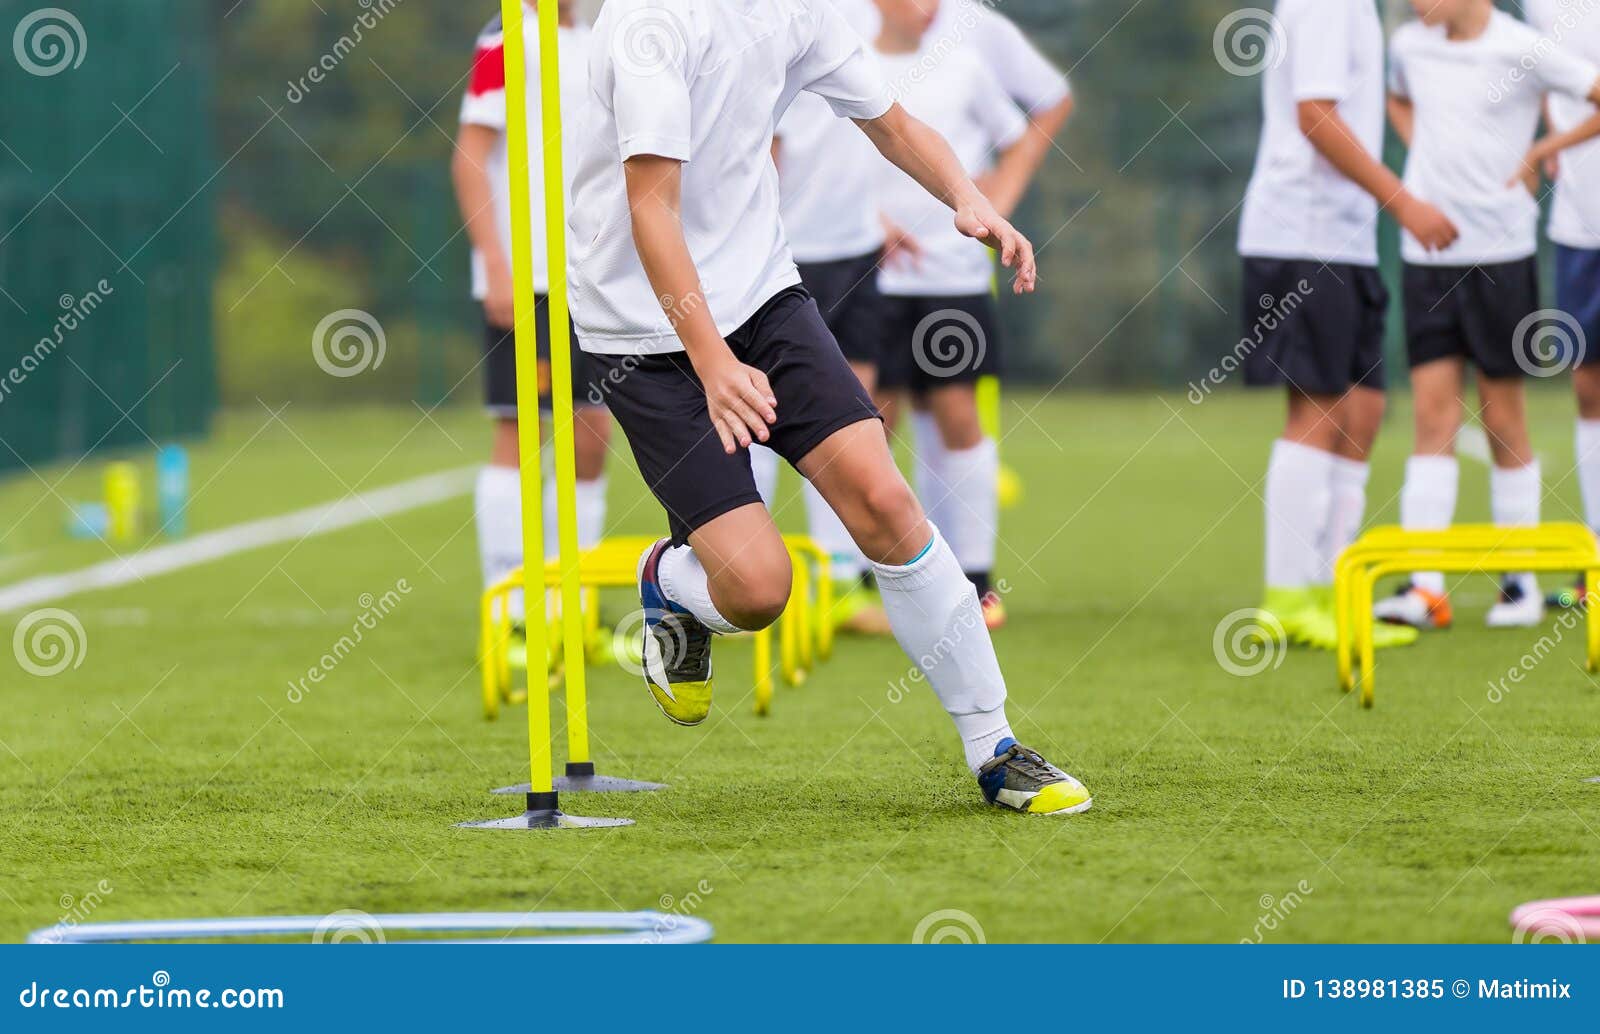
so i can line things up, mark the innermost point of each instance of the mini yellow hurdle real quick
(1462, 549)
(805, 632)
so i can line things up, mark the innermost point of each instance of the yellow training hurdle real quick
(1462, 549)
(804, 633)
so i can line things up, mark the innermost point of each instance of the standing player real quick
(1575, 228)
(942, 332)
(689, 302)
(1466, 85)
(482, 183)
(1315, 305)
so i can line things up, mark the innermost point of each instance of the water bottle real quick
(172, 488)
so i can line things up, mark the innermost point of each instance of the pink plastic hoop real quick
(1563, 920)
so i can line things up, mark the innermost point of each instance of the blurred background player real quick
(1466, 85)
(482, 182)
(1314, 303)
(942, 331)
(1574, 228)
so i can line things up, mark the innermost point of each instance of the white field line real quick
(225, 542)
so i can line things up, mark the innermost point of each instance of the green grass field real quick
(170, 775)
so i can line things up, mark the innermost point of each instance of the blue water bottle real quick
(172, 488)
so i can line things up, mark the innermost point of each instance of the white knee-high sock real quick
(591, 512)
(683, 580)
(1346, 511)
(1428, 503)
(1514, 496)
(497, 505)
(1589, 470)
(937, 621)
(1298, 490)
(973, 511)
(829, 532)
(764, 465)
(927, 469)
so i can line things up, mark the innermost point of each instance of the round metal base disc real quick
(589, 784)
(545, 820)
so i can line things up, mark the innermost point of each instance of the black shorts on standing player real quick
(500, 367)
(846, 292)
(661, 405)
(1316, 327)
(1471, 312)
(934, 340)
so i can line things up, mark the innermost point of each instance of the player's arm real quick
(740, 400)
(1549, 146)
(475, 197)
(1330, 134)
(1013, 174)
(923, 154)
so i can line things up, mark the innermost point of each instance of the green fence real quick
(106, 226)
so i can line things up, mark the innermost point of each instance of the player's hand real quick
(1528, 171)
(1552, 168)
(1431, 227)
(741, 404)
(899, 246)
(978, 219)
(499, 304)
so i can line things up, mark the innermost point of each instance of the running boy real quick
(688, 300)
(483, 192)
(1466, 85)
(1314, 304)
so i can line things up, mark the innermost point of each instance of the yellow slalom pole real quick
(555, 210)
(533, 595)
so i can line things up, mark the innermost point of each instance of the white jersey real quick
(956, 94)
(702, 82)
(485, 105)
(1575, 215)
(1477, 106)
(1298, 206)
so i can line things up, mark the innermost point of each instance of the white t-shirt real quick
(703, 82)
(956, 94)
(1477, 108)
(1575, 216)
(485, 105)
(1298, 206)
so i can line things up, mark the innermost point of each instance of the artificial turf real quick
(171, 774)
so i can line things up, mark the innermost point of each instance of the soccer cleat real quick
(994, 610)
(1317, 627)
(1415, 606)
(517, 647)
(676, 649)
(1518, 607)
(859, 611)
(1022, 780)
(1564, 599)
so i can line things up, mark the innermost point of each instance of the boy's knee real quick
(758, 592)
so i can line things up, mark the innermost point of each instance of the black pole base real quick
(544, 812)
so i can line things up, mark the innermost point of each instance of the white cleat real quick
(1520, 605)
(1415, 607)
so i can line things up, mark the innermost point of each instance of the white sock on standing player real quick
(1298, 491)
(937, 621)
(973, 511)
(764, 466)
(1428, 503)
(829, 532)
(1514, 501)
(497, 506)
(591, 507)
(1588, 447)
(683, 580)
(927, 471)
(1346, 511)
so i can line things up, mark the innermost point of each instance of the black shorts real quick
(1472, 312)
(846, 292)
(1313, 326)
(930, 341)
(500, 366)
(661, 406)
